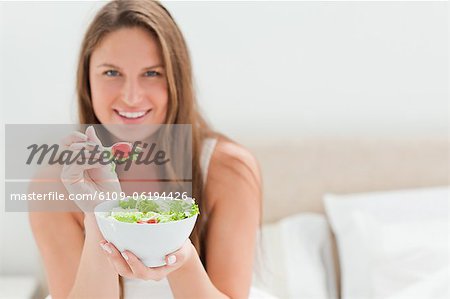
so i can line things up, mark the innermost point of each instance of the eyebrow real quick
(116, 67)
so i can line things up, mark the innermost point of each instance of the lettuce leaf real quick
(129, 217)
(133, 210)
(145, 206)
(130, 203)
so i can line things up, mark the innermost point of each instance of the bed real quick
(306, 181)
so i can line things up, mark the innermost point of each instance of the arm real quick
(75, 265)
(60, 255)
(192, 281)
(96, 277)
(233, 191)
(67, 255)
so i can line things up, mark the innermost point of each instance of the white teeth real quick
(131, 114)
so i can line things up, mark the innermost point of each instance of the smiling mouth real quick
(132, 115)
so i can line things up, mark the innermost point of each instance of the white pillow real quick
(295, 258)
(391, 242)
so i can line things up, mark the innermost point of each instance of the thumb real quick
(92, 136)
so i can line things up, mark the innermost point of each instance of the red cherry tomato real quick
(152, 221)
(123, 148)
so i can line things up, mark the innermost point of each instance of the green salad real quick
(150, 211)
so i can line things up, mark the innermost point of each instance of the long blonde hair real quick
(182, 107)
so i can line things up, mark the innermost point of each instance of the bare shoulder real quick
(232, 167)
(234, 155)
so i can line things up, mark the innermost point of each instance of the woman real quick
(134, 67)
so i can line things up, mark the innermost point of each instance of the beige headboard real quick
(297, 174)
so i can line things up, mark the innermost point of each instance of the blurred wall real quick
(263, 70)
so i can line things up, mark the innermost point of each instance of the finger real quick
(77, 172)
(142, 271)
(86, 160)
(73, 174)
(116, 259)
(174, 261)
(179, 256)
(74, 137)
(92, 136)
(92, 157)
(136, 266)
(89, 156)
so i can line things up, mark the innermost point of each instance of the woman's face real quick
(128, 80)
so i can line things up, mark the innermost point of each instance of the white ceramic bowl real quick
(149, 242)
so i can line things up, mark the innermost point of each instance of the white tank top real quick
(138, 289)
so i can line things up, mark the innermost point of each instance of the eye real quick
(152, 74)
(111, 73)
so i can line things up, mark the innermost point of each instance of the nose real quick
(132, 93)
